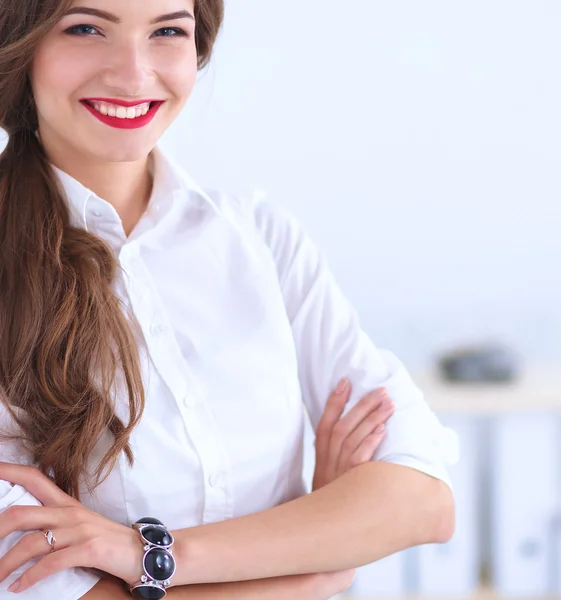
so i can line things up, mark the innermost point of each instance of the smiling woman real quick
(158, 344)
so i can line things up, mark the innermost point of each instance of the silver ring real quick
(50, 538)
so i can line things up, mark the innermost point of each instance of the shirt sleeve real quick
(330, 344)
(69, 584)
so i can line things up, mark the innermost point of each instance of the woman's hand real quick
(345, 442)
(83, 537)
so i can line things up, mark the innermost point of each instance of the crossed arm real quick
(359, 512)
(370, 512)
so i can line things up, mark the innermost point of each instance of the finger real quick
(29, 518)
(347, 424)
(36, 483)
(370, 444)
(32, 546)
(120, 557)
(366, 405)
(363, 430)
(332, 413)
(73, 556)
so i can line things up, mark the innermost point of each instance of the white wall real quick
(419, 142)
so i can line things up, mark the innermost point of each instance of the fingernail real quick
(386, 404)
(380, 429)
(14, 587)
(342, 386)
(383, 392)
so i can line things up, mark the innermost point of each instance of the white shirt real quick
(244, 325)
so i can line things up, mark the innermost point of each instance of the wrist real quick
(136, 554)
(184, 552)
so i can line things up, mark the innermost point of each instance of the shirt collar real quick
(171, 183)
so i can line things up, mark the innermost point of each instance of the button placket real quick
(175, 373)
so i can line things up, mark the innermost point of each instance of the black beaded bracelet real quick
(158, 562)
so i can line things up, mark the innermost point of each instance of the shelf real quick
(536, 389)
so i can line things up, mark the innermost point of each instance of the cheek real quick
(180, 74)
(56, 74)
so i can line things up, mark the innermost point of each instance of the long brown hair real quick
(60, 320)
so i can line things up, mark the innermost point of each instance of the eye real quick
(79, 30)
(176, 31)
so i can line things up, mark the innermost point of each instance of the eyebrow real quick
(94, 12)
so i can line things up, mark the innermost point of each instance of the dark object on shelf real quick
(479, 364)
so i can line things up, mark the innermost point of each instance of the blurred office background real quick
(419, 143)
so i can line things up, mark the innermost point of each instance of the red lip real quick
(127, 104)
(125, 123)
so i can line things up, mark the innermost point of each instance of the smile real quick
(123, 117)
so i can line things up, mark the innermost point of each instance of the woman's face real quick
(121, 50)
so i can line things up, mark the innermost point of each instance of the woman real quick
(222, 318)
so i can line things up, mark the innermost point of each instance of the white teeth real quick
(121, 112)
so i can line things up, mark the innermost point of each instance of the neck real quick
(126, 185)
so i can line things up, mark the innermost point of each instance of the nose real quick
(129, 70)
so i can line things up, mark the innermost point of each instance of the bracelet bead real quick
(148, 591)
(158, 562)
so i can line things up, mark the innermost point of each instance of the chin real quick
(122, 152)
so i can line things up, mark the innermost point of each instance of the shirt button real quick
(214, 480)
(96, 213)
(187, 402)
(157, 328)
